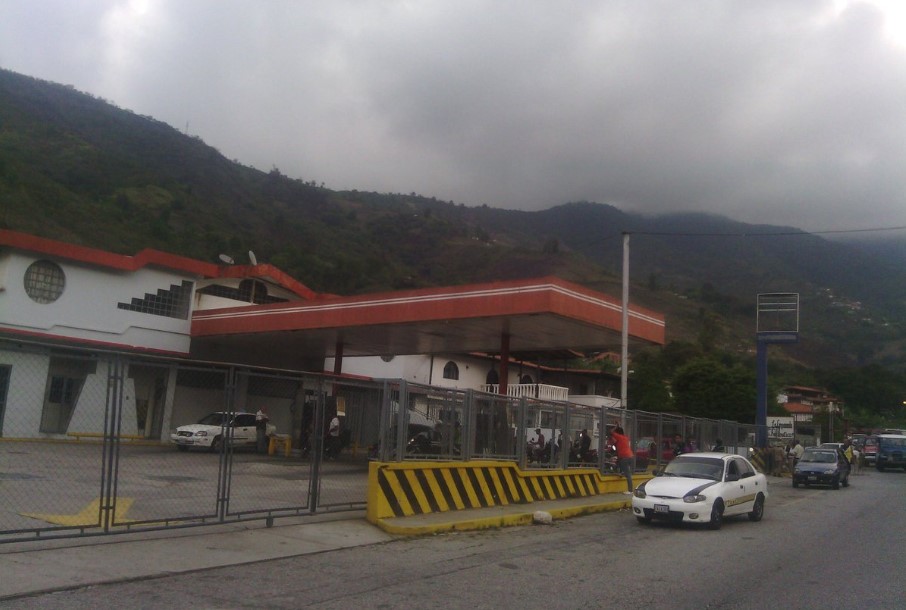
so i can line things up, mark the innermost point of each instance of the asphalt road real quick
(815, 548)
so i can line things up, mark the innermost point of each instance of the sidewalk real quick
(53, 565)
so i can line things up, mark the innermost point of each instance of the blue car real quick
(822, 466)
(891, 451)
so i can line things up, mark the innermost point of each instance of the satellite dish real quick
(226, 259)
(252, 258)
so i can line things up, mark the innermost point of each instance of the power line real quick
(775, 234)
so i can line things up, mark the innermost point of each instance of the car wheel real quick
(757, 509)
(215, 444)
(717, 515)
(836, 483)
(795, 483)
(182, 447)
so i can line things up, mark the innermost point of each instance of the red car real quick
(646, 452)
(870, 450)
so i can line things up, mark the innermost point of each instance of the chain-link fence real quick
(94, 442)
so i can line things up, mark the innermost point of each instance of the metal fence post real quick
(110, 449)
(402, 421)
(384, 438)
(317, 446)
(522, 433)
(223, 474)
(468, 427)
(602, 440)
(660, 438)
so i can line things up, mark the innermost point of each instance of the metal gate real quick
(86, 446)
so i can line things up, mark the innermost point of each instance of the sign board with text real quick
(780, 427)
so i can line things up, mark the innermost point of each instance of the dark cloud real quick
(772, 111)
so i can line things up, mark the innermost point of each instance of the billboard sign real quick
(780, 427)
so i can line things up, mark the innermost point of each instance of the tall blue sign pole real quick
(777, 321)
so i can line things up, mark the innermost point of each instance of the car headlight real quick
(640, 493)
(830, 471)
(201, 433)
(693, 498)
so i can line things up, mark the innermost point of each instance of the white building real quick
(63, 306)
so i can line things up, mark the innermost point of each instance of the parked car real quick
(870, 449)
(822, 466)
(891, 451)
(209, 431)
(702, 488)
(646, 451)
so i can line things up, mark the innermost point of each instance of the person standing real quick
(796, 451)
(778, 462)
(856, 462)
(536, 446)
(584, 446)
(848, 452)
(624, 456)
(679, 447)
(333, 438)
(261, 420)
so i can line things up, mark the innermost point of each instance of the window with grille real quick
(172, 302)
(44, 281)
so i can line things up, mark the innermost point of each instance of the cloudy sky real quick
(789, 112)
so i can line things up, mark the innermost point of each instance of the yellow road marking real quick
(90, 515)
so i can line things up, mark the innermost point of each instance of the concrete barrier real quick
(402, 489)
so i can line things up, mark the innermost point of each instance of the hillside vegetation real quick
(79, 169)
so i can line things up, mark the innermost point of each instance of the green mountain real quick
(77, 168)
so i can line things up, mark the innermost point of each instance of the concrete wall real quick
(88, 308)
(426, 370)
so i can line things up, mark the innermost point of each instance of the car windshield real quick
(695, 467)
(893, 443)
(214, 419)
(824, 457)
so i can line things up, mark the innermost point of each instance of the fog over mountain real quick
(770, 112)
(76, 168)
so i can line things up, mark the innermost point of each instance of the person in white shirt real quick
(333, 438)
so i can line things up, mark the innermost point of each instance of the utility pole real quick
(624, 348)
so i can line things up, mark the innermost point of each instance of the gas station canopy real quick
(523, 316)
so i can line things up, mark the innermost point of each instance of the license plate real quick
(813, 478)
(661, 508)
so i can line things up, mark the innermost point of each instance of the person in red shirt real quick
(624, 455)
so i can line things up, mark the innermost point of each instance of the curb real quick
(525, 516)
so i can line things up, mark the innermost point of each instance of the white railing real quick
(530, 390)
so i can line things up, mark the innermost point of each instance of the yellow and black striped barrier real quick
(416, 488)
(758, 460)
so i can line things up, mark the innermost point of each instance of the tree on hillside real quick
(708, 388)
(871, 389)
(650, 383)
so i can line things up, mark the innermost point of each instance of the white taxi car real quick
(702, 488)
(209, 432)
